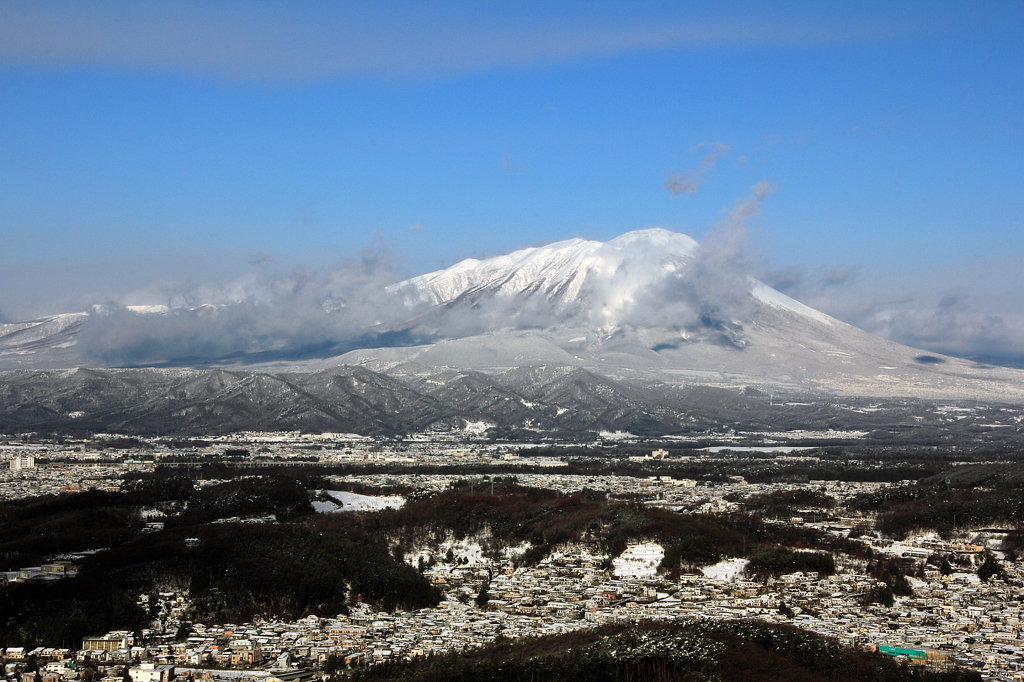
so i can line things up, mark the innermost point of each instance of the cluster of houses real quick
(53, 479)
(950, 619)
(45, 664)
(75, 467)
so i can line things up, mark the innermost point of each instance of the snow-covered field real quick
(727, 570)
(639, 561)
(356, 502)
(617, 435)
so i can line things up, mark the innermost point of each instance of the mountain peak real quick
(563, 271)
(678, 243)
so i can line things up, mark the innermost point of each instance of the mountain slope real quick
(649, 306)
(577, 336)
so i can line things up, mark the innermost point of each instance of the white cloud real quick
(265, 311)
(967, 309)
(509, 164)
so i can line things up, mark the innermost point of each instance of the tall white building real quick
(19, 462)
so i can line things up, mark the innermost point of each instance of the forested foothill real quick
(286, 566)
(686, 652)
(515, 514)
(970, 496)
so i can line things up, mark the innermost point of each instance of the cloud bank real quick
(953, 325)
(302, 42)
(291, 312)
(969, 310)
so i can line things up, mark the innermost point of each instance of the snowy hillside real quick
(650, 306)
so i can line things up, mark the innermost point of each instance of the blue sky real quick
(146, 147)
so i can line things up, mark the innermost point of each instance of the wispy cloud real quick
(260, 259)
(677, 184)
(509, 164)
(688, 182)
(714, 289)
(796, 281)
(299, 42)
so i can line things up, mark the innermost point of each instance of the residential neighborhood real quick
(952, 617)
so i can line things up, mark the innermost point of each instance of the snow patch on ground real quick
(917, 584)
(573, 552)
(616, 435)
(465, 552)
(515, 552)
(356, 502)
(639, 561)
(477, 428)
(727, 570)
(909, 548)
(469, 549)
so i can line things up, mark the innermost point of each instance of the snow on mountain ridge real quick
(765, 294)
(34, 331)
(561, 269)
(605, 277)
(510, 273)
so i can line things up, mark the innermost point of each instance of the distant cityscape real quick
(951, 618)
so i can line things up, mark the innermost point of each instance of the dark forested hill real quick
(233, 571)
(546, 518)
(686, 652)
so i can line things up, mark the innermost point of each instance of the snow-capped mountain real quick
(574, 335)
(646, 278)
(654, 305)
(48, 341)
